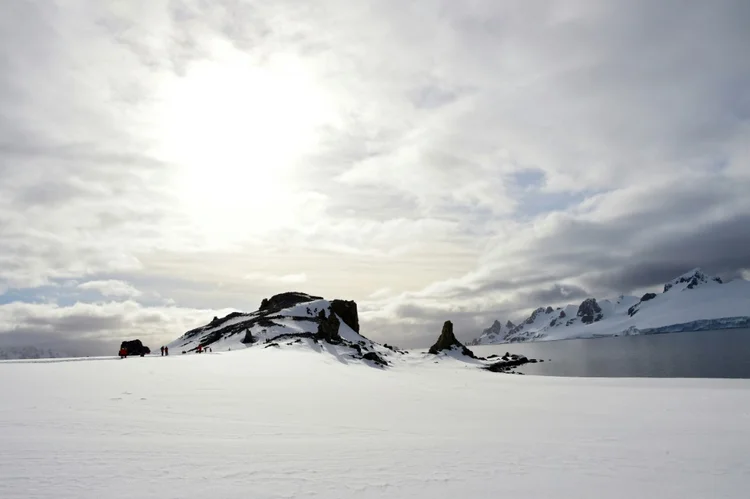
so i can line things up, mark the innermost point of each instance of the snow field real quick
(293, 422)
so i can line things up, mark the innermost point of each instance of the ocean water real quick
(705, 354)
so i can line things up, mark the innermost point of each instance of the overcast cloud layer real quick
(162, 162)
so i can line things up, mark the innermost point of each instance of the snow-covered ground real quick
(295, 422)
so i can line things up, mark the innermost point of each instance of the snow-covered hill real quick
(690, 302)
(289, 319)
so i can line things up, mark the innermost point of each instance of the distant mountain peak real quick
(717, 305)
(690, 280)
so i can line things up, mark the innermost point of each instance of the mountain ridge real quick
(692, 301)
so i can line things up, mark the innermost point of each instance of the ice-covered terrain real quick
(295, 422)
(691, 302)
(290, 319)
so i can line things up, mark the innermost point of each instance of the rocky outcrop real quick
(534, 315)
(248, 339)
(328, 328)
(447, 341)
(135, 347)
(285, 300)
(634, 309)
(693, 279)
(347, 310)
(373, 357)
(589, 311)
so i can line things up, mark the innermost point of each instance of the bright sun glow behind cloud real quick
(235, 130)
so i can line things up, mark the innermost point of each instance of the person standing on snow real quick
(162, 351)
(123, 352)
(200, 348)
(166, 351)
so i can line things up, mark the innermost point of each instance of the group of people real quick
(164, 351)
(200, 349)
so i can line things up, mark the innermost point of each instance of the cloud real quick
(436, 161)
(111, 288)
(94, 329)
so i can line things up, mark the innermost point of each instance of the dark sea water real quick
(705, 354)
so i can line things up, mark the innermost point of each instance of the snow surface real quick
(690, 302)
(293, 422)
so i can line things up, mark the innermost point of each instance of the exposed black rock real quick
(347, 310)
(135, 347)
(373, 357)
(328, 328)
(693, 280)
(447, 341)
(562, 314)
(504, 365)
(248, 339)
(589, 311)
(549, 310)
(286, 300)
(534, 315)
(634, 309)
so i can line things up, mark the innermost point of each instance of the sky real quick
(163, 162)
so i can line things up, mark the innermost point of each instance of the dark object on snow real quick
(448, 341)
(648, 296)
(285, 300)
(589, 311)
(347, 311)
(272, 345)
(328, 328)
(135, 347)
(249, 338)
(373, 357)
(505, 365)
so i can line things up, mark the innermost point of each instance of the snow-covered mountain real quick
(690, 302)
(29, 352)
(497, 331)
(289, 319)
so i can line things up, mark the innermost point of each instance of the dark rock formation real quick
(504, 365)
(328, 328)
(373, 357)
(347, 310)
(634, 309)
(286, 300)
(248, 337)
(448, 341)
(589, 311)
(534, 315)
(562, 314)
(549, 310)
(693, 280)
(135, 347)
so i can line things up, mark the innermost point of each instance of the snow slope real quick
(287, 319)
(691, 302)
(270, 423)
